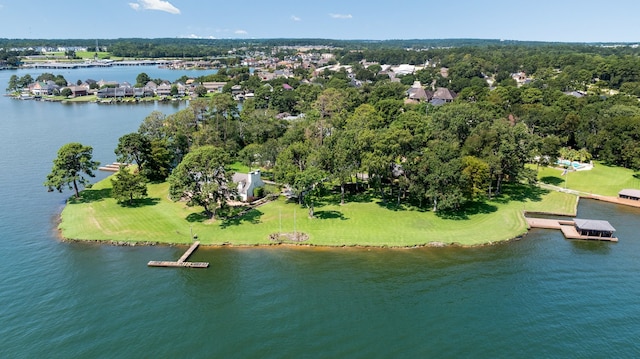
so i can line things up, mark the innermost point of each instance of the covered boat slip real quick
(594, 228)
(632, 194)
(587, 229)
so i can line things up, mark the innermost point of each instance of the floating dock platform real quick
(182, 262)
(178, 264)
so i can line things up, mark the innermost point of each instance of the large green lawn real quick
(362, 221)
(602, 179)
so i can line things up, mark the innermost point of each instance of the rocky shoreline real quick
(292, 244)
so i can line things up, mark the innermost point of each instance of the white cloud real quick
(159, 5)
(194, 36)
(295, 18)
(341, 16)
(240, 32)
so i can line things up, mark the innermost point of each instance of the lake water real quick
(541, 296)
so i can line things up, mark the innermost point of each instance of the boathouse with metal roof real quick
(594, 228)
(633, 194)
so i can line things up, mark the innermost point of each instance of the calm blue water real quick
(542, 296)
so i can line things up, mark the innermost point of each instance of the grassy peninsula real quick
(362, 221)
(433, 142)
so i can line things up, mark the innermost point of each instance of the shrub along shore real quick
(362, 221)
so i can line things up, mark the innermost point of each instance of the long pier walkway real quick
(182, 262)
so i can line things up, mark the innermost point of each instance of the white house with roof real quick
(247, 183)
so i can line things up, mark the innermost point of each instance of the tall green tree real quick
(153, 126)
(158, 167)
(222, 109)
(203, 179)
(341, 158)
(308, 184)
(291, 161)
(142, 79)
(13, 83)
(128, 186)
(74, 160)
(475, 177)
(134, 147)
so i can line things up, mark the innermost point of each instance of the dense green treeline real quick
(325, 133)
(438, 158)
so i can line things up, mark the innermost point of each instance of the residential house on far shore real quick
(77, 91)
(164, 89)
(442, 95)
(182, 89)
(417, 94)
(151, 86)
(213, 87)
(43, 88)
(103, 83)
(521, 78)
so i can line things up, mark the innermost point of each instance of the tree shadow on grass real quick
(510, 193)
(468, 210)
(363, 196)
(142, 202)
(91, 195)
(330, 215)
(360, 196)
(197, 217)
(393, 205)
(522, 193)
(252, 216)
(552, 180)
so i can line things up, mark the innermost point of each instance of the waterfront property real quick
(632, 194)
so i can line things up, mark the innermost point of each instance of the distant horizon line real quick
(317, 39)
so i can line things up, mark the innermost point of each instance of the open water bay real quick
(541, 296)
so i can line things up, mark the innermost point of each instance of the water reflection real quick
(591, 247)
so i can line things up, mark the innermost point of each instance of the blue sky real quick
(540, 20)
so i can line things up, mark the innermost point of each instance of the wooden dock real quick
(178, 264)
(547, 223)
(114, 167)
(182, 262)
(616, 200)
(570, 232)
(566, 226)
